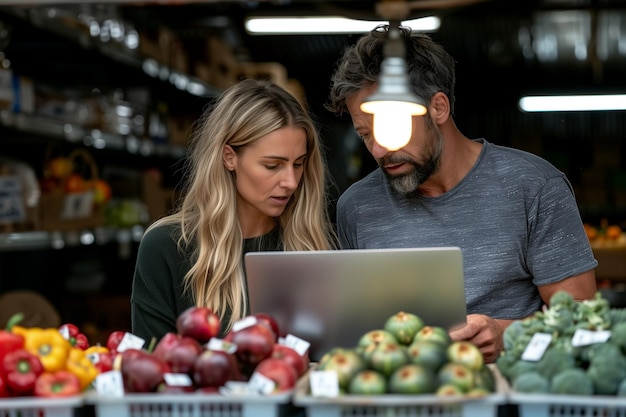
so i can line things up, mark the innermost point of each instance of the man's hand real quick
(484, 332)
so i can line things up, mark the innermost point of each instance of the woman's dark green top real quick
(157, 293)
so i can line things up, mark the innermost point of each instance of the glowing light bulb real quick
(393, 121)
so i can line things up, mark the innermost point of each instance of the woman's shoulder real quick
(162, 234)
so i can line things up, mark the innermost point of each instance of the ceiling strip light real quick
(573, 103)
(328, 25)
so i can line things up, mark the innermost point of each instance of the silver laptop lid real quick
(331, 298)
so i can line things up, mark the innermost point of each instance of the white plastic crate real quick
(39, 407)
(190, 405)
(426, 405)
(554, 405)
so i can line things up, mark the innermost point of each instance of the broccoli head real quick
(573, 381)
(554, 361)
(618, 335)
(607, 373)
(531, 382)
(562, 299)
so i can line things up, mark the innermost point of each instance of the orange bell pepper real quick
(80, 365)
(48, 344)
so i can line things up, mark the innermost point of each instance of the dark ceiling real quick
(503, 48)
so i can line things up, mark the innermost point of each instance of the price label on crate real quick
(110, 384)
(299, 345)
(324, 383)
(261, 384)
(536, 347)
(130, 341)
(77, 205)
(177, 379)
(11, 200)
(584, 337)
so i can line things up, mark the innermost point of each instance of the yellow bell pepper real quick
(80, 365)
(48, 344)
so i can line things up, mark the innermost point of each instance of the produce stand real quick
(426, 405)
(39, 407)
(553, 405)
(190, 405)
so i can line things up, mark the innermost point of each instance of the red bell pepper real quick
(21, 369)
(4, 389)
(57, 384)
(72, 333)
(10, 341)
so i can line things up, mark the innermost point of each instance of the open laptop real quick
(331, 298)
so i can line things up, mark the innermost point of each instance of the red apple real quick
(254, 342)
(179, 352)
(271, 321)
(199, 323)
(142, 371)
(213, 368)
(299, 362)
(280, 372)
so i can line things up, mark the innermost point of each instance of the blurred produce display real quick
(605, 234)
(575, 348)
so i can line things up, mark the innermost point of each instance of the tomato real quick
(74, 184)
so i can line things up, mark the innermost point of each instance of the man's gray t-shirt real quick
(514, 216)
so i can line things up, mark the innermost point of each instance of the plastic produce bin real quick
(427, 405)
(553, 405)
(191, 405)
(39, 407)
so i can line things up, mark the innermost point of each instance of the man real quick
(513, 214)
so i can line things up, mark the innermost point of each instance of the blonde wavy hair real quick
(207, 215)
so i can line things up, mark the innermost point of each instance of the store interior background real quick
(504, 49)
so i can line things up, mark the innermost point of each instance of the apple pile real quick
(193, 358)
(408, 357)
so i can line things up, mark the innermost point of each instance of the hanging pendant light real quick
(393, 105)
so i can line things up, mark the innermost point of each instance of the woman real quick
(256, 182)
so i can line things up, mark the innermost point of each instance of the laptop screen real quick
(331, 298)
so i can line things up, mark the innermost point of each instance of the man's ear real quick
(229, 156)
(439, 108)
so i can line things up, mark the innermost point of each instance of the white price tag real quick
(236, 388)
(584, 337)
(11, 199)
(299, 345)
(324, 383)
(536, 347)
(216, 343)
(110, 384)
(261, 384)
(77, 205)
(177, 379)
(130, 341)
(65, 332)
(244, 322)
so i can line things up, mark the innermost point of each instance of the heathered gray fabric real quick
(514, 216)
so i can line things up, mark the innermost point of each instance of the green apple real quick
(404, 326)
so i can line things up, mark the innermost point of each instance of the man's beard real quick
(409, 182)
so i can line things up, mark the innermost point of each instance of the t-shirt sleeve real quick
(156, 284)
(346, 222)
(558, 247)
